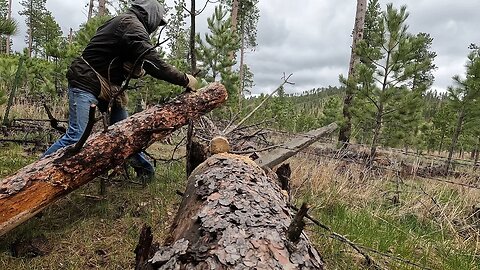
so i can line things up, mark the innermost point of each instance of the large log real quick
(38, 185)
(233, 216)
(294, 146)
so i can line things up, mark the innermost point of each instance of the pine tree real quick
(178, 35)
(8, 26)
(464, 96)
(245, 16)
(395, 67)
(34, 12)
(214, 51)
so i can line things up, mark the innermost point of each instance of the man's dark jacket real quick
(121, 39)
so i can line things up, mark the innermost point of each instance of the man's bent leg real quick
(79, 102)
(140, 164)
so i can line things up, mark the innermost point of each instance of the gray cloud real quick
(312, 38)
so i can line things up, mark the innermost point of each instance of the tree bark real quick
(9, 16)
(456, 134)
(90, 10)
(345, 129)
(102, 9)
(38, 185)
(233, 216)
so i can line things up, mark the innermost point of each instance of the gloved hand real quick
(192, 83)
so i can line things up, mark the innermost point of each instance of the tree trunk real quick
(13, 92)
(9, 16)
(233, 216)
(440, 148)
(189, 166)
(102, 9)
(477, 150)
(376, 135)
(90, 10)
(456, 134)
(234, 22)
(345, 129)
(30, 31)
(38, 185)
(242, 68)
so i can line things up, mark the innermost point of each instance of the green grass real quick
(406, 237)
(13, 157)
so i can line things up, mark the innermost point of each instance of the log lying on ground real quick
(233, 216)
(296, 145)
(36, 186)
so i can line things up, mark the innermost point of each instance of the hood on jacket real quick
(154, 11)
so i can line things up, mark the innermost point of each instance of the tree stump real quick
(233, 216)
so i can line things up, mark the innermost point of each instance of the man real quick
(106, 63)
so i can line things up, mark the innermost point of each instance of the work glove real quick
(137, 73)
(192, 83)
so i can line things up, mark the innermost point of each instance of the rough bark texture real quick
(345, 129)
(233, 216)
(36, 186)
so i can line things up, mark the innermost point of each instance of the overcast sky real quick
(312, 38)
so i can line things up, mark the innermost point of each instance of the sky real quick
(311, 39)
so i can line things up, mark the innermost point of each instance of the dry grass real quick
(422, 220)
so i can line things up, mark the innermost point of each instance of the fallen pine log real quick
(294, 146)
(38, 185)
(233, 216)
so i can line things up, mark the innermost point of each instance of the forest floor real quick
(409, 221)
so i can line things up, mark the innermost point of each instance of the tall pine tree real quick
(213, 51)
(394, 69)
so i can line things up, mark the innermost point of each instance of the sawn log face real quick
(36, 186)
(233, 216)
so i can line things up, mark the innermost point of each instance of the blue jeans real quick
(79, 102)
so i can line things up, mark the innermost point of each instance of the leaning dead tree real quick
(233, 216)
(38, 185)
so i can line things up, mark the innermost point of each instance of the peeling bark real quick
(38, 185)
(233, 216)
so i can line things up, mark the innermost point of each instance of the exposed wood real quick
(219, 145)
(233, 216)
(38, 185)
(291, 148)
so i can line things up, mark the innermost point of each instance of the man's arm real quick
(138, 42)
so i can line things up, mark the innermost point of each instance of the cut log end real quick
(219, 145)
